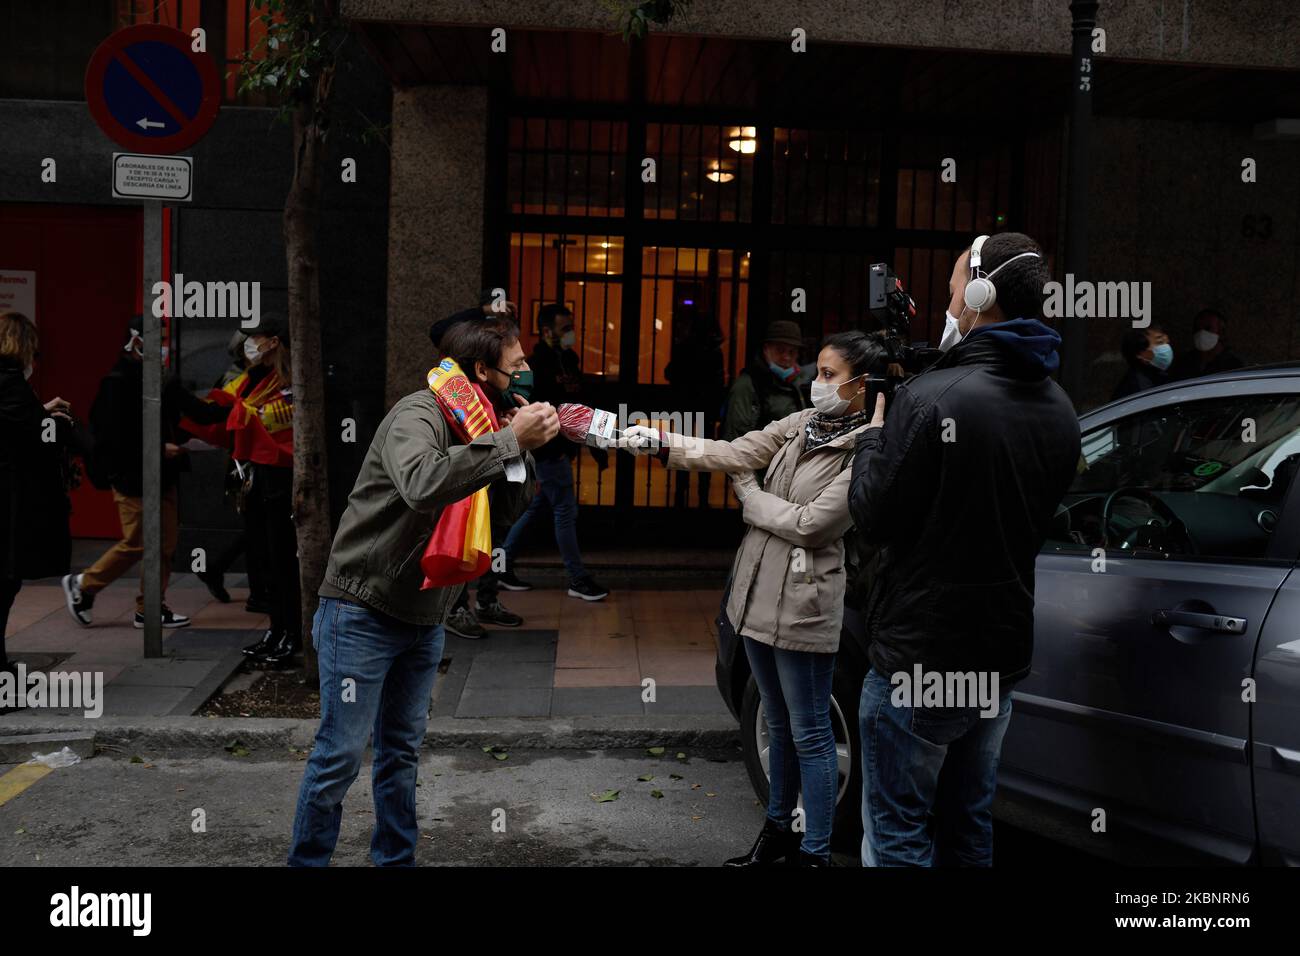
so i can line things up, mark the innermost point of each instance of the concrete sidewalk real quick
(641, 655)
(196, 660)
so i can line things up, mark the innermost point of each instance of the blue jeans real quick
(555, 484)
(796, 691)
(928, 779)
(391, 667)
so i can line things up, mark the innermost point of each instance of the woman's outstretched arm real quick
(750, 452)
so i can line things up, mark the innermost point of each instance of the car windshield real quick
(1213, 446)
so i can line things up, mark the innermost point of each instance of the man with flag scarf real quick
(413, 531)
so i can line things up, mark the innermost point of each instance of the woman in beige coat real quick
(787, 582)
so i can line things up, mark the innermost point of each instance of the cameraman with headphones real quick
(957, 489)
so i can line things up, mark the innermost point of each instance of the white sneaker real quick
(169, 619)
(79, 604)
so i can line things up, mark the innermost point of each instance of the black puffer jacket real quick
(115, 420)
(959, 488)
(34, 540)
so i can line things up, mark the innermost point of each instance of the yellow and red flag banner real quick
(259, 427)
(460, 548)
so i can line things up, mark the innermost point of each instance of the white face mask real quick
(567, 339)
(951, 332)
(826, 397)
(27, 371)
(251, 352)
(1205, 340)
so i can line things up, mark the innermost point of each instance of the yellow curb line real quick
(19, 779)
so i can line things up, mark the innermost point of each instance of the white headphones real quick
(980, 292)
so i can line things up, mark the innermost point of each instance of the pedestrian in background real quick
(697, 374)
(557, 377)
(260, 422)
(34, 536)
(115, 421)
(254, 558)
(1148, 355)
(1210, 352)
(767, 388)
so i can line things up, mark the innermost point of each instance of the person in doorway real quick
(34, 537)
(1148, 355)
(788, 580)
(557, 377)
(767, 389)
(1210, 353)
(696, 373)
(115, 421)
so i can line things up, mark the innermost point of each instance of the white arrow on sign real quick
(144, 123)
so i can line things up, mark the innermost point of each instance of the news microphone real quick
(588, 426)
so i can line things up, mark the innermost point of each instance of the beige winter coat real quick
(787, 586)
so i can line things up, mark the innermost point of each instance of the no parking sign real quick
(150, 91)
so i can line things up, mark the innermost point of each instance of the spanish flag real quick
(259, 427)
(460, 548)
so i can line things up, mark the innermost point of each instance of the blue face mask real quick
(1162, 356)
(784, 373)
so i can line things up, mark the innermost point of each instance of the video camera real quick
(890, 304)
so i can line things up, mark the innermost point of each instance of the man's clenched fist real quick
(535, 424)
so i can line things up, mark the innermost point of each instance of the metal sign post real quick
(151, 422)
(151, 91)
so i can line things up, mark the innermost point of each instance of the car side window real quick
(1202, 480)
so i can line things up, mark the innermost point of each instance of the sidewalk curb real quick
(19, 748)
(263, 736)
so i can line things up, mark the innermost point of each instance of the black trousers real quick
(9, 588)
(270, 532)
(253, 557)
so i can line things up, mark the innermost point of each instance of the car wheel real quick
(846, 833)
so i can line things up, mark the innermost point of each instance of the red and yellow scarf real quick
(460, 548)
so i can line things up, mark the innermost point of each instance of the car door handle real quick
(1219, 623)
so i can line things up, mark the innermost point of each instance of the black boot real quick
(812, 859)
(774, 845)
(282, 651)
(268, 641)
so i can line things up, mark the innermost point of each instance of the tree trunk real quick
(311, 480)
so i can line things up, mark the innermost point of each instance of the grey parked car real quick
(1165, 689)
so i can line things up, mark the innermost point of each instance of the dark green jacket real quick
(414, 468)
(758, 398)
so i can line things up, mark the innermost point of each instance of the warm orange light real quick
(744, 139)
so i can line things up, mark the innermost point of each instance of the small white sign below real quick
(18, 292)
(142, 176)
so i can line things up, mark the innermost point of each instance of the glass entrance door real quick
(689, 347)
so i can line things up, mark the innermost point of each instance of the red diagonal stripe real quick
(150, 87)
